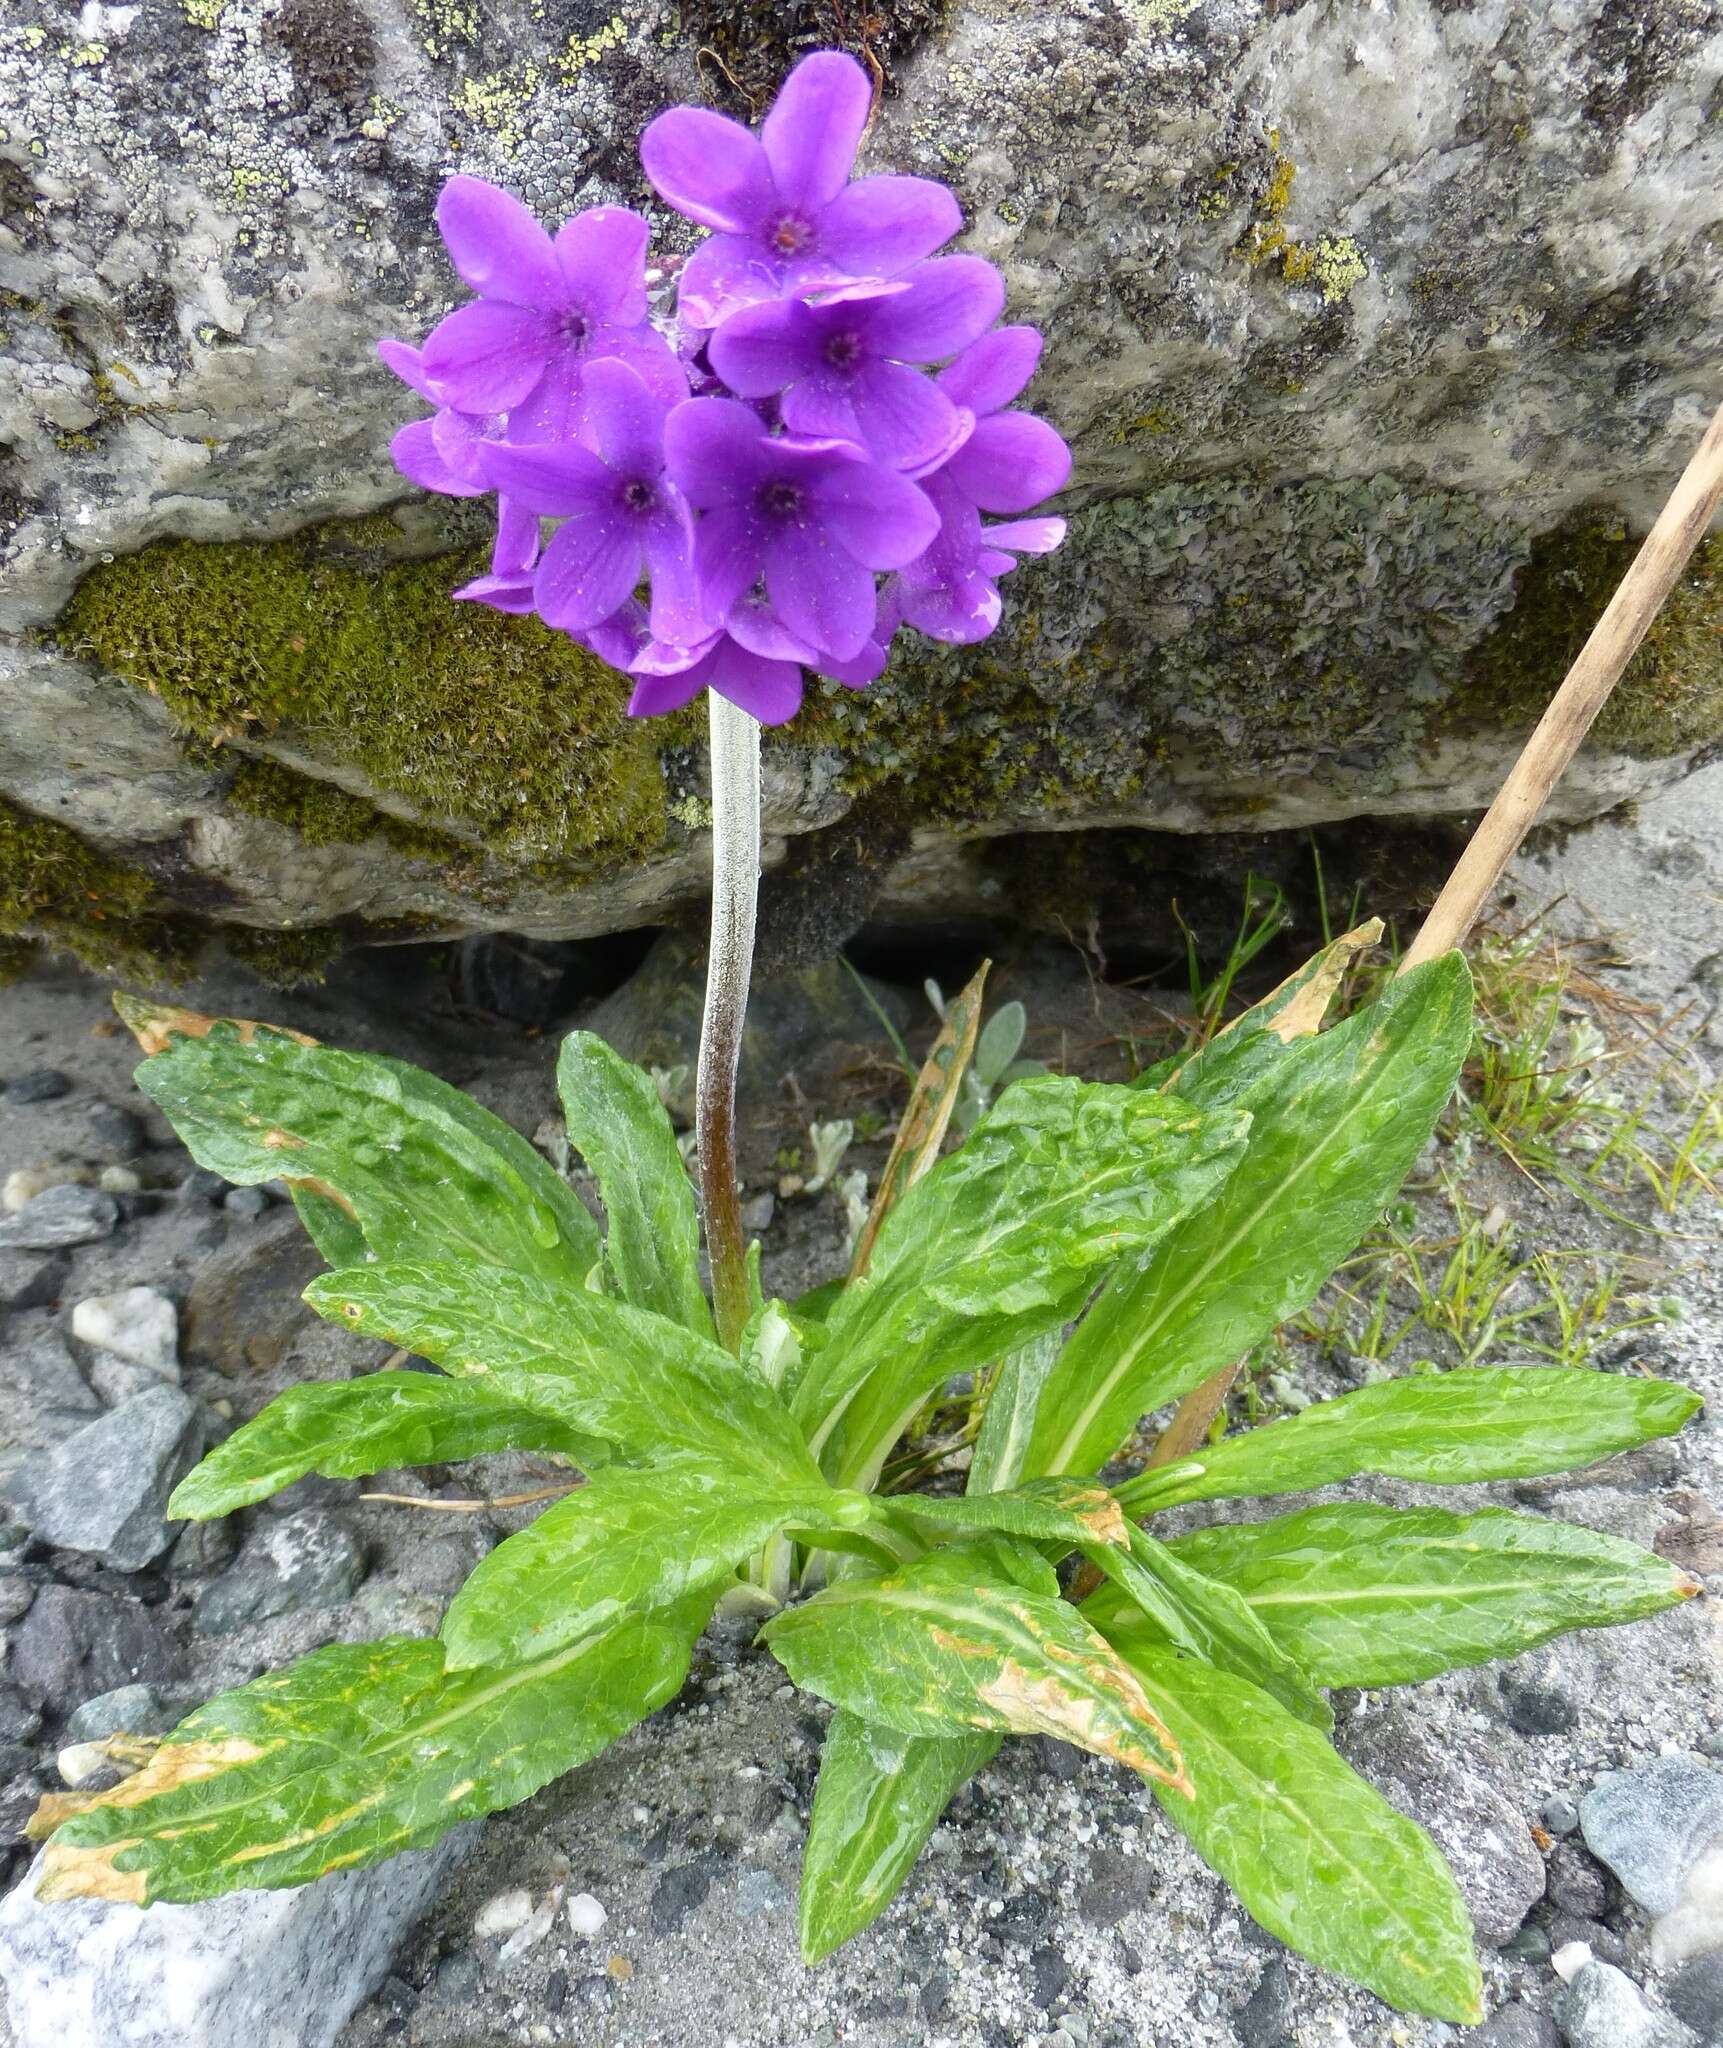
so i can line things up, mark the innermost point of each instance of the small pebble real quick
(200, 1185)
(46, 1084)
(119, 1180)
(499, 1917)
(24, 1183)
(138, 1324)
(247, 1202)
(585, 1915)
(1560, 1815)
(59, 1216)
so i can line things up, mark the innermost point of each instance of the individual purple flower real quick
(812, 519)
(841, 363)
(545, 310)
(620, 512)
(785, 218)
(1012, 460)
(1009, 462)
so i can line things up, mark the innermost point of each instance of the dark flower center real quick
(843, 350)
(574, 328)
(781, 501)
(639, 496)
(789, 234)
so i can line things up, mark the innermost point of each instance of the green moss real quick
(1671, 698)
(287, 959)
(494, 723)
(57, 890)
(323, 815)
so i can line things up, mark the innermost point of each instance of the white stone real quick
(24, 1183)
(586, 1915)
(1570, 1959)
(80, 1761)
(139, 1324)
(1695, 1923)
(532, 1930)
(281, 1969)
(501, 1915)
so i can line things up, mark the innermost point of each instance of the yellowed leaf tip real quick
(1687, 1587)
(1101, 1514)
(69, 1873)
(156, 1025)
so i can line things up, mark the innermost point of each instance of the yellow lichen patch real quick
(69, 1873)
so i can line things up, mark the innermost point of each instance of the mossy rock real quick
(1671, 698)
(503, 731)
(58, 892)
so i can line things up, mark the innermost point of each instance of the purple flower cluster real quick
(793, 443)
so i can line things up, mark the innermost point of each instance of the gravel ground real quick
(1054, 1905)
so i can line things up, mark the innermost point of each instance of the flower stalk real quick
(735, 737)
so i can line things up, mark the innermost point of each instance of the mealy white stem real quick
(735, 891)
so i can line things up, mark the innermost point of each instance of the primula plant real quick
(1090, 1253)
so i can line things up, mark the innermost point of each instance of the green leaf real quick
(1008, 1420)
(1441, 1429)
(1316, 1854)
(1073, 1513)
(1000, 1041)
(346, 1429)
(1337, 1121)
(625, 1541)
(938, 1647)
(879, 1797)
(636, 1380)
(1159, 1599)
(335, 1234)
(350, 1755)
(417, 1168)
(621, 1129)
(1000, 1243)
(1386, 1596)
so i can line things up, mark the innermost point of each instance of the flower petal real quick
(904, 417)
(558, 480)
(1027, 536)
(588, 572)
(877, 517)
(488, 356)
(770, 691)
(722, 275)
(714, 449)
(551, 409)
(959, 613)
(620, 637)
(415, 454)
(498, 245)
(654, 694)
(992, 371)
(880, 226)
(867, 667)
(1012, 461)
(760, 349)
(708, 167)
(624, 420)
(823, 405)
(459, 437)
(515, 549)
(511, 594)
(677, 612)
(821, 594)
(601, 256)
(753, 624)
(949, 302)
(728, 553)
(815, 128)
(408, 363)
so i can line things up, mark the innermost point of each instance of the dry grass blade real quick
(925, 1121)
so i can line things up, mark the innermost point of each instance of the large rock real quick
(1378, 331)
(282, 1969)
(105, 1490)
